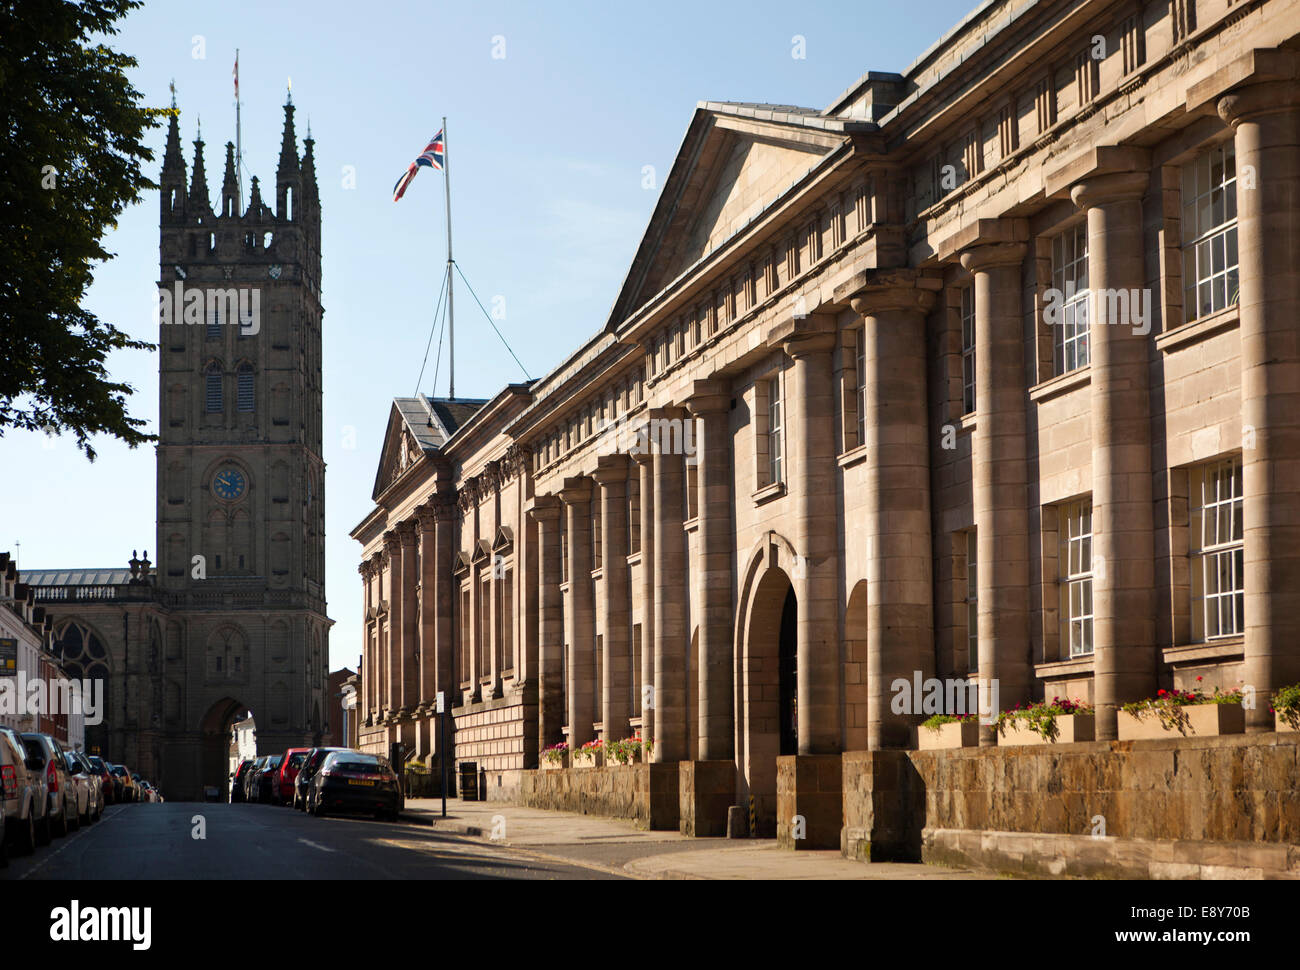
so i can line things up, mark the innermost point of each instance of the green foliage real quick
(625, 752)
(69, 164)
(588, 751)
(1286, 703)
(555, 753)
(1040, 717)
(1168, 705)
(936, 721)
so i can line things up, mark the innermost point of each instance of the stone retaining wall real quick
(645, 793)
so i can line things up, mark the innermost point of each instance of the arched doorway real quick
(215, 732)
(769, 692)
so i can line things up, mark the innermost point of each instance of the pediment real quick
(504, 540)
(731, 167)
(411, 434)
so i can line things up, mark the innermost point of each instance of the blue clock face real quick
(229, 484)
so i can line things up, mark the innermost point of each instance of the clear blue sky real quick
(547, 149)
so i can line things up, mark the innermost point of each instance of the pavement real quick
(616, 847)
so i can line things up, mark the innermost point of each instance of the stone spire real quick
(199, 178)
(255, 199)
(229, 184)
(309, 166)
(173, 167)
(288, 176)
(288, 146)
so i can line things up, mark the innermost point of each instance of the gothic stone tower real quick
(241, 482)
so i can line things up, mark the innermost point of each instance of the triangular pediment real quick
(414, 430)
(733, 164)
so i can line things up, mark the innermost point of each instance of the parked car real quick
(266, 780)
(22, 788)
(128, 791)
(251, 778)
(60, 792)
(290, 764)
(355, 781)
(86, 786)
(237, 780)
(148, 793)
(107, 783)
(309, 766)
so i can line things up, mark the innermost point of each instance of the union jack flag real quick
(433, 157)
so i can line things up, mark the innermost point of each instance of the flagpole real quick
(451, 283)
(239, 150)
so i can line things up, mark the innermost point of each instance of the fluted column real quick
(710, 406)
(644, 458)
(999, 487)
(1123, 519)
(551, 716)
(616, 674)
(671, 639)
(900, 599)
(1266, 122)
(427, 521)
(580, 617)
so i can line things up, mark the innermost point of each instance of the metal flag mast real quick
(451, 283)
(239, 144)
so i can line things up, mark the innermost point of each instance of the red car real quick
(290, 765)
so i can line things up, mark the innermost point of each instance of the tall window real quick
(246, 387)
(1210, 232)
(972, 603)
(967, 349)
(1070, 280)
(775, 455)
(214, 324)
(1218, 573)
(215, 400)
(1076, 577)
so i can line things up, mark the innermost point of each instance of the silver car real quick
(86, 776)
(22, 795)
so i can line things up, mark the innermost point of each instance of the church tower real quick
(241, 480)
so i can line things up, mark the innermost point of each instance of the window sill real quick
(769, 492)
(692, 524)
(1064, 668)
(634, 559)
(852, 457)
(1228, 648)
(966, 423)
(1063, 384)
(1198, 330)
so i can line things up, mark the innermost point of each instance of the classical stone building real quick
(232, 618)
(988, 369)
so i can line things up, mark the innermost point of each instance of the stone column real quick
(546, 512)
(390, 643)
(580, 615)
(1123, 518)
(900, 603)
(427, 521)
(644, 458)
(616, 678)
(1000, 482)
(710, 405)
(408, 638)
(671, 638)
(1266, 121)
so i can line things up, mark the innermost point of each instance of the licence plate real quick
(354, 781)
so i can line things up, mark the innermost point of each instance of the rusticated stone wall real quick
(644, 793)
(1232, 789)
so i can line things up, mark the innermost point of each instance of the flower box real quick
(1069, 728)
(1203, 720)
(595, 761)
(1280, 725)
(956, 734)
(548, 765)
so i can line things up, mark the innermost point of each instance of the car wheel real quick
(43, 831)
(74, 823)
(318, 809)
(27, 844)
(61, 829)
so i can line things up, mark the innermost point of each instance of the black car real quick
(266, 779)
(351, 781)
(301, 783)
(237, 793)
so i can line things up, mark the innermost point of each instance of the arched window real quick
(214, 322)
(215, 400)
(247, 396)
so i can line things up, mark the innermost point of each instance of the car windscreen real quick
(119, 771)
(363, 767)
(296, 760)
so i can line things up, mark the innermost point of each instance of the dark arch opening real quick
(788, 673)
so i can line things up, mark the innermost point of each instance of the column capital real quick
(875, 291)
(406, 530)
(1098, 190)
(391, 542)
(988, 255)
(576, 491)
(708, 396)
(546, 508)
(1261, 98)
(799, 336)
(610, 469)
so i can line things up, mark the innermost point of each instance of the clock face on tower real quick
(228, 484)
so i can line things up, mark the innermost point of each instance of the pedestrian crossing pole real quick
(442, 747)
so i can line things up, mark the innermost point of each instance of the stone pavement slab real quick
(766, 861)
